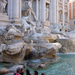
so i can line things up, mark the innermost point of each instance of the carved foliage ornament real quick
(2, 5)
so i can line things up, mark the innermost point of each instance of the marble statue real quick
(61, 29)
(26, 20)
(2, 5)
(12, 31)
(28, 7)
(47, 12)
(58, 28)
(24, 23)
(65, 28)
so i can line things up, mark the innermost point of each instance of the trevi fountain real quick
(27, 42)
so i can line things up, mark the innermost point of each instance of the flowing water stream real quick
(65, 66)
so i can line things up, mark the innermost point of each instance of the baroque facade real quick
(72, 14)
(48, 12)
(59, 12)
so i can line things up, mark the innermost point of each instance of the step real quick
(3, 14)
(4, 23)
(4, 18)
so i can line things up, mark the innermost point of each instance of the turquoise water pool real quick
(65, 66)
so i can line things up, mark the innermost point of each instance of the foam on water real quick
(71, 53)
(65, 53)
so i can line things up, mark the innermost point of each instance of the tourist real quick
(27, 72)
(14, 74)
(42, 74)
(35, 73)
(22, 71)
(17, 72)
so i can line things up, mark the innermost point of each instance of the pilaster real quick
(63, 12)
(53, 12)
(71, 10)
(37, 9)
(42, 10)
(14, 10)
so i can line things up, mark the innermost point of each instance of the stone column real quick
(10, 8)
(71, 10)
(68, 12)
(16, 9)
(63, 12)
(42, 10)
(53, 12)
(37, 9)
(49, 13)
(57, 15)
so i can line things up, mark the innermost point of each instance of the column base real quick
(46, 23)
(15, 21)
(4, 19)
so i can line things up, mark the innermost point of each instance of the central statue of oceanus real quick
(2, 5)
(28, 7)
(28, 18)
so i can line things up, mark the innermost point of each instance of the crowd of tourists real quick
(20, 71)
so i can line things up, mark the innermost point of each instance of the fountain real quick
(19, 42)
(33, 41)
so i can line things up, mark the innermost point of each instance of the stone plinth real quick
(4, 19)
(3, 16)
(47, 23)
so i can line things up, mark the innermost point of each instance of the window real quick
(74, 12)
(60, 16)
(74, 22)
(66, 17)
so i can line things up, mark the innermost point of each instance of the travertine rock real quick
(67, 43)
(14, 53)
(3, 71)
(14, 48)
(44, 49)
(13, 69)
